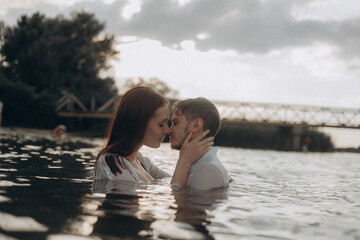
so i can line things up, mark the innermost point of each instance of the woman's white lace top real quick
(102, 170)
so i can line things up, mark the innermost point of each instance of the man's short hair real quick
(200, 108)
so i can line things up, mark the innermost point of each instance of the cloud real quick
(109, 13)
(246, 26)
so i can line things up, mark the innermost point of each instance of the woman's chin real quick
(155, 145)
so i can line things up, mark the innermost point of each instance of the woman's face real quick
(157, 128)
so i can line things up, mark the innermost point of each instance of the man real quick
(59, 131)
(194, 116)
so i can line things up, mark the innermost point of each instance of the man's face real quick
(178, 131)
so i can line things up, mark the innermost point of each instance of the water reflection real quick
(135, 210)
(117, 211)
(197, 207)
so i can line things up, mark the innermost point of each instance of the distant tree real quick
(2, 29)
(157, 84)
(55, 54)
(40, 57)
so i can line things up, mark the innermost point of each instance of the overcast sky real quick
(273, 51)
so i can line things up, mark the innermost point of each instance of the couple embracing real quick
(141, 119)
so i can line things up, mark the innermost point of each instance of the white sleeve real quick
(206, 178)
(154, 170)
(102, 171)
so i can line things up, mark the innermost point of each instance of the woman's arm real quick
(190, 152)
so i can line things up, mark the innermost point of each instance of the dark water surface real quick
(45, 179)
(46, 192)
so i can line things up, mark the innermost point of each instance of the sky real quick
(303, 52)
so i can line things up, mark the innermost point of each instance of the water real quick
(46, 192)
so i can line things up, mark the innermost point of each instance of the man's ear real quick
(197, 125)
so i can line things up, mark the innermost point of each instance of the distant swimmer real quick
(306, 143)
(59, 130)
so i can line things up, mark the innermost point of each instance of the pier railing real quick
(70, 105)
(288, 115)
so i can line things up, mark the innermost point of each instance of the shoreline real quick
(47, 133)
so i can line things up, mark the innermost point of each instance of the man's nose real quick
(171, 129)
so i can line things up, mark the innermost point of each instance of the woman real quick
(141, 119)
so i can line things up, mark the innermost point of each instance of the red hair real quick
(127, 129)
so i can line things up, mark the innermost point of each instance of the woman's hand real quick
(190, 152)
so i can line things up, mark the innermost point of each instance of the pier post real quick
(92, 104)
(296, 137)
(290, 138)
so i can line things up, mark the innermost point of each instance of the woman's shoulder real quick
(109, 154)
(111, 160)
(105, 155)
